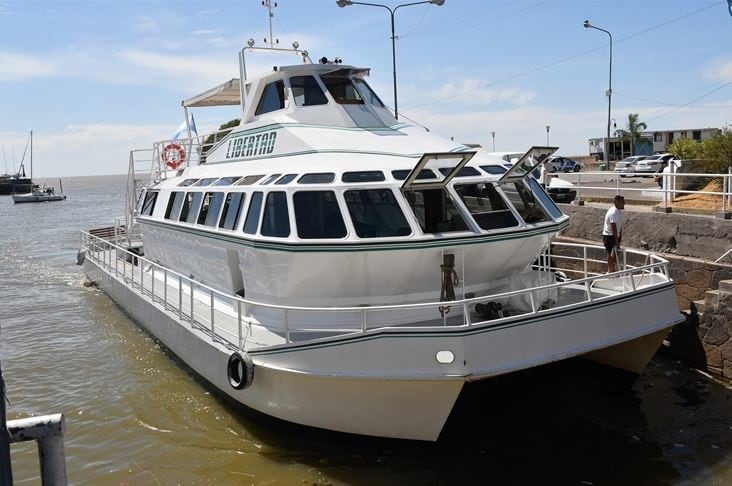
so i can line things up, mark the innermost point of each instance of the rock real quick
(715, 335)
(699, 278)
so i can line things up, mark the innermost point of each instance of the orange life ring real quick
(173, 155)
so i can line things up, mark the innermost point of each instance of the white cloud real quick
(145, 23)
(469, 91)
(17, 67)
(181, 70)
(203, 32)
(719, 70)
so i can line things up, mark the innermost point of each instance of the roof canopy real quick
(223, 94)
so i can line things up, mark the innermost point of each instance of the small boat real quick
(39, 194)
(327, 264)
(36, 193)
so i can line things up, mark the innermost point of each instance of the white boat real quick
(39, 194)
(329, 265)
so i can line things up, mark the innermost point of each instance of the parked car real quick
(653, 163)
(559, 190)
(627, 165)
(562, 164)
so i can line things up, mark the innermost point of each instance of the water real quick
(135, 415)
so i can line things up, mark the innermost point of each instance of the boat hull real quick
(30, 198)
(389, 382)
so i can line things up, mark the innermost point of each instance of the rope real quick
(449, 280)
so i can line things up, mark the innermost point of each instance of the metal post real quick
(165, 289)
(192, 316)
(48, 432)
(6, 472)
(180, 298)
(238, 320)
(287, 326)
(152, 285)
(213, 327)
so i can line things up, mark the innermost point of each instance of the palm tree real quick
(633, 133)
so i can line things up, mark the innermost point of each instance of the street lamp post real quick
(588, 25)
(346, 3)
(493, 134)
(547, 135)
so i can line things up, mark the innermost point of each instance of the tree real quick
(633, 132)
(686, 149)
(718, 151)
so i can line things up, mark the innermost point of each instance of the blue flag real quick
(182, 131)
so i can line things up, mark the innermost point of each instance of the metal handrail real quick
(725, 254)
(242, 306)
(725, 193)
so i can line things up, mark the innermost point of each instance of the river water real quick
(136, 415)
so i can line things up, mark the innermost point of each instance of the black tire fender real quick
(240, 370)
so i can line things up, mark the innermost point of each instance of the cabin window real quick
(286, 179)
(545, 199)
(464, 172)
(174, 204)
(363, 176)
(273, 98)
(187, 182)
(435, 211)
(249, 180)
(232, 208)
(376, 214)
(226, 181)
(524, 202)
(401, 175)
(276, 219)
(306, 91)
(190, 207)
(486, 206)
(149, 204)
(317, 215)
(252, 221)
(317, 178)
(342, 90)
(696, 135)
(269, 179)
(494, 169)
(367, 92)
(210, 207)
(205, 182)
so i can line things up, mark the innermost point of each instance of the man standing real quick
(612, 231)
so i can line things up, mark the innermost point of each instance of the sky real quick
(96, 79)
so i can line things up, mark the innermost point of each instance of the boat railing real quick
(213, 311)
(194, 151)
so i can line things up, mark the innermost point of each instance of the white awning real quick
(223, 94)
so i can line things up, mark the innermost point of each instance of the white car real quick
(627, 165)
(558, 189)
(653, 163)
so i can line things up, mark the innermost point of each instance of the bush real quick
(718, 151)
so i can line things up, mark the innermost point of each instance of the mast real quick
(31, 155)
(269, 5)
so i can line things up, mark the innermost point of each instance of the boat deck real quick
(243, 324)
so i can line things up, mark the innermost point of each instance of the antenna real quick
(269, 4)
(5, 159)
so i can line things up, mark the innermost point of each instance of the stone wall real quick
(694, 277)
(678, 234)
(715, 331)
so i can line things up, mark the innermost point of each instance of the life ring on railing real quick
(173, 155)
(240, 371)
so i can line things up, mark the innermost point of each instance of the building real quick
(652, 142)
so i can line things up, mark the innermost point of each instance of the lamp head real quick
(295, 45)
(587, 24)
(344, 3)
(439, 3)
(250, 42)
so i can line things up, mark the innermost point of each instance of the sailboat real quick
(16, 183)
(37, 193)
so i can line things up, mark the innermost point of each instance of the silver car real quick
(652, 163)
(627, 165)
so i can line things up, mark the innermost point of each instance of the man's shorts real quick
(609, 242)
